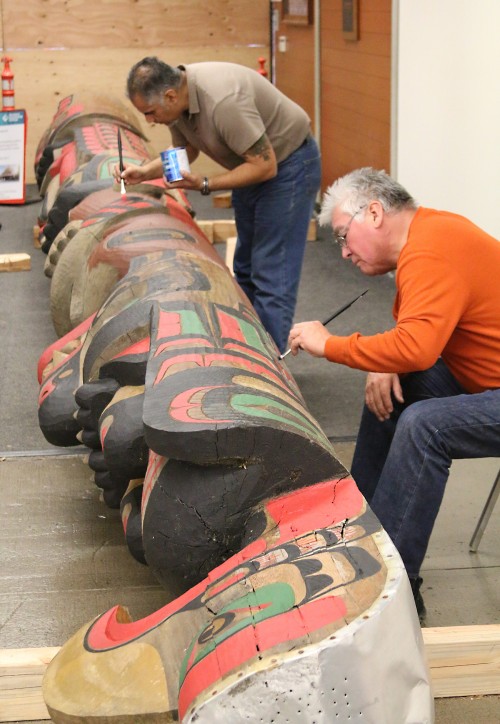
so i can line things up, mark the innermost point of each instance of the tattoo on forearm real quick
(261, 148)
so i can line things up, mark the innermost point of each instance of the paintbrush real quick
(332, 316)
(122, 167)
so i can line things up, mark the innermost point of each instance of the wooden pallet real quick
(463, 661)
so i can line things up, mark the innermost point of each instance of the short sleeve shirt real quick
(230, 108)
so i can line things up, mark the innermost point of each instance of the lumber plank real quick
(463, 661)
(21, 673)
(312, 232)
(222, 201)
(217, 230)
(36, 237)
(230, 247)
(15, 262)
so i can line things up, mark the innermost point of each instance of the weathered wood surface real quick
(270, 627)
(228, 489)
(211, 396)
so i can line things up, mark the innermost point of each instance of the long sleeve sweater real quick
(447, 305)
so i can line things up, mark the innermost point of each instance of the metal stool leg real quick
(485, 515)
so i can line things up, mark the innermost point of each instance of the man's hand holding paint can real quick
(174, 161)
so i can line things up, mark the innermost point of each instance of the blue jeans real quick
(272, 219)
(401, 465)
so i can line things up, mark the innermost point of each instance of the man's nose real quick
(346, 252)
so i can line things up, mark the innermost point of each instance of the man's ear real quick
(170, 96)
(375, 213)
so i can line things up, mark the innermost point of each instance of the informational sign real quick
(12, 156)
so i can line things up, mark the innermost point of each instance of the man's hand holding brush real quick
(309, 336)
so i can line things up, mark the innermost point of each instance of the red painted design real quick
(137, 348)
(306, 503)
(46, 356)
(230, 327)
(187, 406)
(216, 359)
(107, 633)
(316, 507)
(155, 464)
(169, 325)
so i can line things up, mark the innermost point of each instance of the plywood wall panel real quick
(44, 77)
(80, 46)
(134, 24)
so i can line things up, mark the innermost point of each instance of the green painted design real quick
(191, 322)
(259, 406)
(266, 602)
(252, 336)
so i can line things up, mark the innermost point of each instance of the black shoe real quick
(415, 584)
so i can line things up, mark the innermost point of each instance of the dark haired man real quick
(263, 141)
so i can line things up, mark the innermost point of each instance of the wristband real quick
(205, 188)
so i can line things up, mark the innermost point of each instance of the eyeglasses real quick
(341, 239)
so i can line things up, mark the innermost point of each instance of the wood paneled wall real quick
(80, 46)
(355, 83)
(355, 89)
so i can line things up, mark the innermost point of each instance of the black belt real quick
(308, 138)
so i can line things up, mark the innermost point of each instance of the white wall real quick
(446, 142)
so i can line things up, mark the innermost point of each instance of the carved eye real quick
(217, 624)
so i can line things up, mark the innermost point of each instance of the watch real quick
(205, 188)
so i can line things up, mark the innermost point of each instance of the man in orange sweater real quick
(433, 388)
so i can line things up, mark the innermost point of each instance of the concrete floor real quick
(64, 560)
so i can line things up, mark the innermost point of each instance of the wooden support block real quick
(21, 673)
(230, 246)
(312, 232)
(15, 262)
(208, 229)
(222, 201)
(463, 660)
(36, 237)
(217, 230)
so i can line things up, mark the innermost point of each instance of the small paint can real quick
(174, 160)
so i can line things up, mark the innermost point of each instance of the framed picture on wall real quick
(350, 19)
(298, 12)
